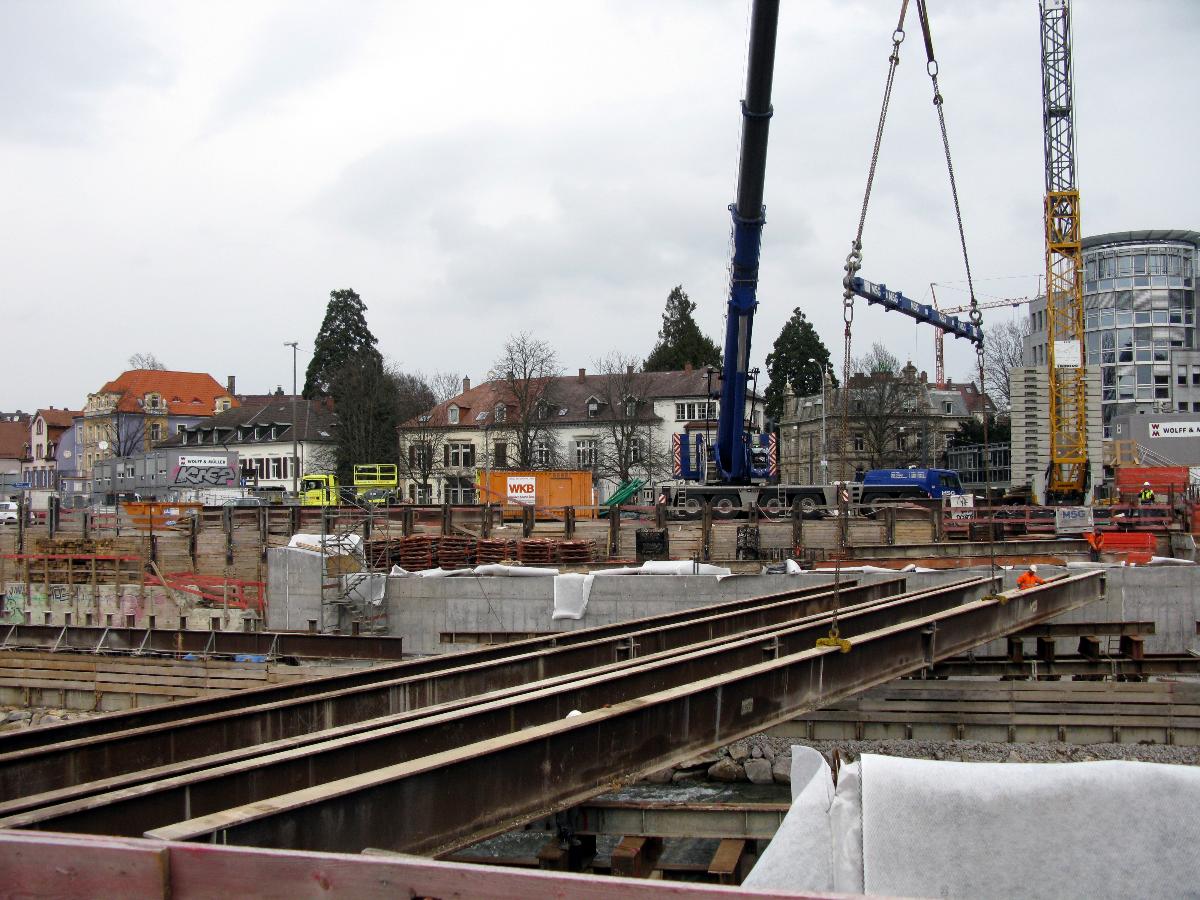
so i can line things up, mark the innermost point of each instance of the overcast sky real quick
(192, 179)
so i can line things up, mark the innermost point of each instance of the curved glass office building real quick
(1139, 321)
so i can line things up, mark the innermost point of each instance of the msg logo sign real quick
(522, 489)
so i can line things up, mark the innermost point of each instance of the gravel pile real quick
(14, 718)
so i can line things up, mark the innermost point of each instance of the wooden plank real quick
(727, 861)
(52, 866)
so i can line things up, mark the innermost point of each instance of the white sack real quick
(571, 594)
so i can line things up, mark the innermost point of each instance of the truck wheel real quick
(772, 507)
(868, 509)
(689, 509)
(724, 508)
(809, 508)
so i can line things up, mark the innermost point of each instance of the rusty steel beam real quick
(187, 709)
(1081, 629)
(158, 641)
(1069, 665)
(43, 769)
(442, 801)
(166, 796)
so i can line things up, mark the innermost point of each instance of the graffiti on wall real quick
(203, 471)
(14, 604)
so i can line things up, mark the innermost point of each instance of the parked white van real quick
(9, 512)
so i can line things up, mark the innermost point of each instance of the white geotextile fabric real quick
(947, 829)
(514, 571)
(571, 593)
(682, 567)
(799, 856)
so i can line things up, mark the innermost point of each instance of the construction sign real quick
(1174, 429)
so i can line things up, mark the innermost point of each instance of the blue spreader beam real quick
(922, 312)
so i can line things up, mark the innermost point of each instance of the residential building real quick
(14, 430)
(44, 453)
(893, 420)
(143, 407)
(616, 425)
(260, 430)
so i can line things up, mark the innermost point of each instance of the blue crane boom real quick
(732, 453)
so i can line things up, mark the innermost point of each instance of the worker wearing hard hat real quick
(1030, 578)
(1147, 493)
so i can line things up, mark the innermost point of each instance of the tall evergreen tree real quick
(681, 341)
(788, 363)
(344, 339)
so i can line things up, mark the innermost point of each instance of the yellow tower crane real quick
(1067, 477)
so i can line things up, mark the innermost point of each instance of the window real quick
(156, 431)
(276, 470)
(630, 409)
(541, 453)
(948, 407)
(40, 424)
(1181, 374)
(593, 408)
(420, 456)
(860, 443)
(635, 450)
(499, 414)
(901, 441)
(459, 456)
(692, 412)
(500, 455)
(452, 415)
(585, 453)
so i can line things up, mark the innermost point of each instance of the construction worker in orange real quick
(1029, 578)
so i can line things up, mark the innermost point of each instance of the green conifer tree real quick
(681, 341)
(343, 338)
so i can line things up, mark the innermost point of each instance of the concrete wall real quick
(422, 610)
(36, 605)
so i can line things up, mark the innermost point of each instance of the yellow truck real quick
(373, 483)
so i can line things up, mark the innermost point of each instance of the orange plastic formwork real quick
(147, 514)
(548, 491)
(1164, 479)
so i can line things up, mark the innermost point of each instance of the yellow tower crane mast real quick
(1067, 477)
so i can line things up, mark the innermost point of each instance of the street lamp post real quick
(295, 423)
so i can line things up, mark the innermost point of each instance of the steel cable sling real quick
(853, 264)
(975, 314)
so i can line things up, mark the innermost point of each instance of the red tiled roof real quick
(567, 392)
(13, 438)
(185, 393)
(58, 418)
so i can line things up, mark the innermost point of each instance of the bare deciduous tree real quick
(628, 445)
(885, 402)
(444, 385)
(524, 374)
(145, 361)
(1003, 350)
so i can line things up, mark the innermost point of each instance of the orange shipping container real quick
(548, 491)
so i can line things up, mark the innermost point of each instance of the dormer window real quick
(630, 408)
(452, 415)
(499, 413)
(593, 408)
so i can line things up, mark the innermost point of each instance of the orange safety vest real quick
(1028, 580)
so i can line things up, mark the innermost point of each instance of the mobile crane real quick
(740, 470)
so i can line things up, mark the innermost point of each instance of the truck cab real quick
(895, 484)
(319, 490)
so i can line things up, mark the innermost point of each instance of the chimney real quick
(629, 370)
(582, 374)
(231, 385)
(466, 384)
(924, 376)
